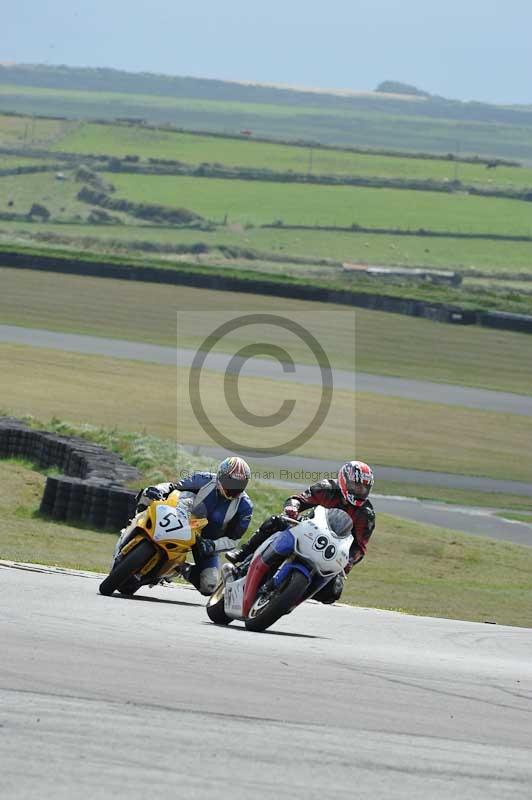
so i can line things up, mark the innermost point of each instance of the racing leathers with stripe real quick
(326, 493)
(228, 520)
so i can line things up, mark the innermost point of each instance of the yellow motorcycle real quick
(155, 544)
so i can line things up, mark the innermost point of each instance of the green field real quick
(383, 430)
(31, 130)
(385, 344)
(490, 257)
(259, 203)
(463, 577)
(14, 161)
(122, 140)
(364, 122)
(59, 197)
(244, 205)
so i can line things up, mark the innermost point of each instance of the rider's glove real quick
(370, 517)
(153, 493)
(272, 525)
(205, 547)
(145, 496)
(291, 511)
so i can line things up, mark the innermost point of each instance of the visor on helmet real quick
(231, 487)
(359, 490)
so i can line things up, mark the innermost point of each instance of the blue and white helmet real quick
(232, 477)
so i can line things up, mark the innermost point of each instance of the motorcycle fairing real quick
(257, 571)
(317, 544)
(171, 523)
(234, 597)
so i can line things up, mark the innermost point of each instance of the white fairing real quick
(314, 541)
(317, 543)
(172, 523)
(234, 597)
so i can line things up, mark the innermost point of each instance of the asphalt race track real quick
(129, 698)
(427, 391)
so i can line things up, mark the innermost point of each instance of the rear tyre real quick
(216, 608)
(129, 587)
(281, 603)
(122, 574)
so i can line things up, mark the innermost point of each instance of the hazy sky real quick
(466, 49)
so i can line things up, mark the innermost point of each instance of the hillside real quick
(371, 119)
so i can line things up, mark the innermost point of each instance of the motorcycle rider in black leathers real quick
(348, 492)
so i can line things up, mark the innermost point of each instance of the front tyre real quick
(216, 607)
(261, 615)
(128, 566)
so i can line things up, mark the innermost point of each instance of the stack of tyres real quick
(75, 503)
(4, 441)
(23, 444)
(120, 508)
(62, 498)
(33, 441)
(43, 450)
(14, 441)
(72, 464)
(93, 473)
(38, 447)
(61, 453)
(48, 498)
(54, 453)
(87, 500)
(98, 507)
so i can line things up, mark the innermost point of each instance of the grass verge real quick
(420, 569)
(518, 517)
(386, 430)
(385, 344)
(463, 497)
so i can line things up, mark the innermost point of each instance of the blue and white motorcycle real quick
(290, 567)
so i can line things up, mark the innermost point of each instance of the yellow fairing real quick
(175, 549)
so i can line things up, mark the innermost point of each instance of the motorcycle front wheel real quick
(261, 616)
(123, 572)
(216, 607)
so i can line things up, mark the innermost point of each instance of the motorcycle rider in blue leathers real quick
(228, 510)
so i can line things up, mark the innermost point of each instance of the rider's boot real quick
(247, 549)
(239, 555)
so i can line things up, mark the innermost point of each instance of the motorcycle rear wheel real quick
(123, 572)
(281, 603)
(216, 607)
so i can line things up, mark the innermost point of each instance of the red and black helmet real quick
(355, 480)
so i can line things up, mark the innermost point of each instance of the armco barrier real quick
(91, 490)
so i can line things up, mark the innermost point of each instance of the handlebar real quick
(289, 520)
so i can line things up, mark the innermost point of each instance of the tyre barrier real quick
(90, 491)
(439, 312)
(521, 323)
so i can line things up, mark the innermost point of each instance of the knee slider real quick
(208, 580)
